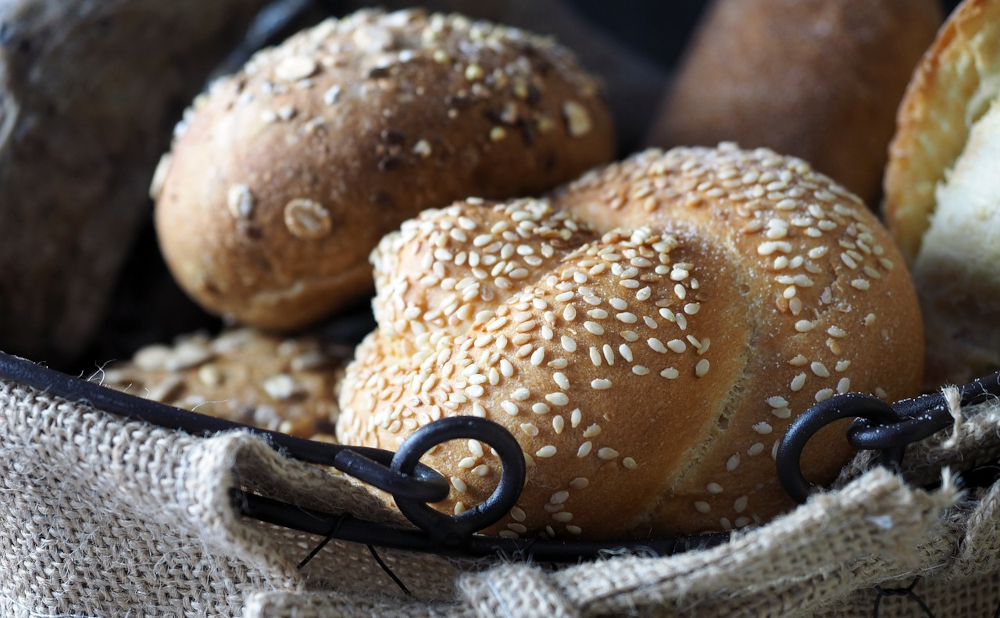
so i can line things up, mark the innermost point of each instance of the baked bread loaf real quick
(818, 79)
(84, 119)
(284, 176)
(274, 383)
(647, 334)
(942, 197)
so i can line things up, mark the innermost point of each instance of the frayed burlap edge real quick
(106, 517)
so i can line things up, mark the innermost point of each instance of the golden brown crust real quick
(818, 79)
(647, 335)
(284, 176)
(241, 375)
(952, 87)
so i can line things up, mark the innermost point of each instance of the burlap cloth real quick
(101, 517)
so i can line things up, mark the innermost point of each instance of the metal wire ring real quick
(805, 426)
(454, 529)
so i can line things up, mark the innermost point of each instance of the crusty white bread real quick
(941, 193)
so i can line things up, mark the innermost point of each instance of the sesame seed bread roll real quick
(241, 375)
(818, 79)
(285, 175)
(942, 193)
(647, 334)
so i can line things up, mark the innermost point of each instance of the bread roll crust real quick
(818, 79)
(647, 335)
(283, 178)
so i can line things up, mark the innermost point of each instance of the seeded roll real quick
(647, 334)
(285, 175)
(941, 193)
(269, 382)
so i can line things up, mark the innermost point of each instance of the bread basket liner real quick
(105, 517)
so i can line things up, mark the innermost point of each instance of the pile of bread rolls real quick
(646, 329)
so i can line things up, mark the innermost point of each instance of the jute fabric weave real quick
(103, 517)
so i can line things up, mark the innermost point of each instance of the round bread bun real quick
(647, 334)
(818, 79)
(942, 193)
(283, 177)
(241, 375)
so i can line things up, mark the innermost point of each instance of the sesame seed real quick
(702, 507)
(518, 514)
(676, 345)
(630, 463)
(595, 356)
(861, 284)
(798, 382)
(538, 357)
(630, 336)
(459, 485)
(559, 497)
(670, 373)
(593, 328)
(777, 402)
(782, 412)
(702, 368)
(609, 354)
(680, 291)
(467, 462)
(529, 429)
(474, 391)
(824, 394)
(656, 345)
(546, 451)
(740, 505)
(561, 380)
(843, 365)
(733, 462)
(563, 516)
(804, 326)
(477, 410)
(575, 417)
(558, 424)
(756, 449)
(607, 454)
(584, 449)
(762, 428)
(618, 304)
(819, 369)
(625, 351)
(600, 384)
(592, 431)
(476, 448)
(540, 408)
(627, 318)
(557, 399)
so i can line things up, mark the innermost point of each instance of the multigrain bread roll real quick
(942, 193)
(274, 383)
(818, 79)
(647, 334)
(284, 176)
